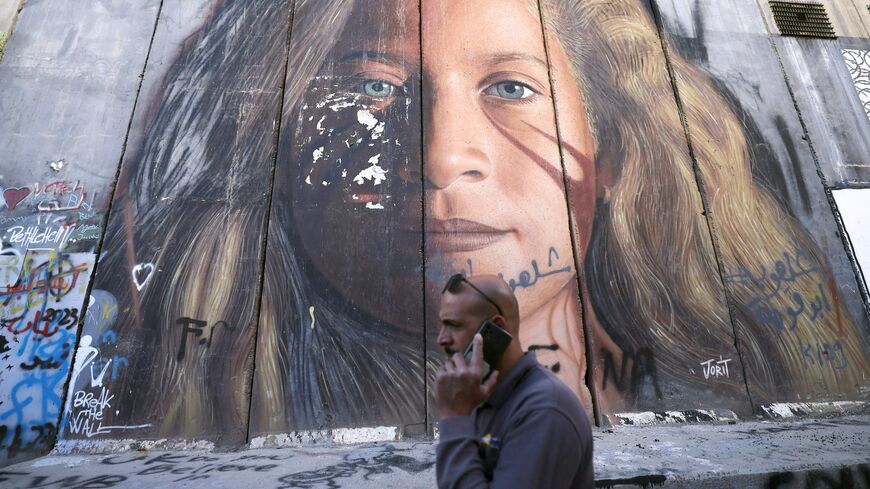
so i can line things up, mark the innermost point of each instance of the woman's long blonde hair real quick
(651, 270)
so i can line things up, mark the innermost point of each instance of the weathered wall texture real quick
(250, 239)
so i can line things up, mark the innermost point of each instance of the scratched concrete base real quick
(807, 453)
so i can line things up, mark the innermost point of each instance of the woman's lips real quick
(460, 235)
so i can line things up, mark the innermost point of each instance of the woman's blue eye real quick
(510, 90)
(378, 88)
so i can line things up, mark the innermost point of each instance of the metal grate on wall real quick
(807, 19)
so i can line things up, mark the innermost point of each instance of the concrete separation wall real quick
(228, 223)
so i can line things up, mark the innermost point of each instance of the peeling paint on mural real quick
(342, 310)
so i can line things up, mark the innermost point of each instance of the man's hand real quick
(457, 385)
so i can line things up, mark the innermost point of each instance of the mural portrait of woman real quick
(498, 94)
(537, 140)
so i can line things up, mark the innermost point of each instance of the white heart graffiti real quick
(142, 274)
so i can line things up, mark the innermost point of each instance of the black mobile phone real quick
(495, 342)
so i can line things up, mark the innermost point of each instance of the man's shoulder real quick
(542, 390)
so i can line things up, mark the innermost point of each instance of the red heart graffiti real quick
(15, 195)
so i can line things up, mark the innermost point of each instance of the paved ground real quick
(823, 453)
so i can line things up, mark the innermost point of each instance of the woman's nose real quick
(455, 142)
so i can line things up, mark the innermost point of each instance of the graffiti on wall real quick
(280, 470)
(39, 315)
(166, 347)
(48, 230)
(90, 400)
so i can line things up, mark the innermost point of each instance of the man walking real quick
(519, 428)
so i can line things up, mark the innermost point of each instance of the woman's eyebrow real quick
(379, 56)
(499, 58)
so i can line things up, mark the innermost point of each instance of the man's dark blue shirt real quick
(531, 433)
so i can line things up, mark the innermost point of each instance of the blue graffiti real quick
(824, 353)
(38, 315)
(36, 391)
(442, 269)
(776, 301)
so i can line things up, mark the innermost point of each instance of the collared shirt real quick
(531, 433)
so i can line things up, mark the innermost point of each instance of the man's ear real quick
(500, 321)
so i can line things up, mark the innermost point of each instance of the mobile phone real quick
(495, 342)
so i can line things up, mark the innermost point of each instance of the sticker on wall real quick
(858, 62)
